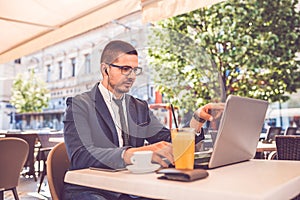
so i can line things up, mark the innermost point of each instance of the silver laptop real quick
(238, 133)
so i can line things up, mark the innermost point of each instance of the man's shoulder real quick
(90, 94)
(85, 96)
(137, 100)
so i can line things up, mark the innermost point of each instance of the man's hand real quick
(210, 111)
(207, 112)
(161, 151)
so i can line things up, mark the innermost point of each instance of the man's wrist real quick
(198, 119)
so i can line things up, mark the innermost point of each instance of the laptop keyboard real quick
(202, 159)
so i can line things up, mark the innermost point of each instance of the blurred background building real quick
(73, 66)
(69, 68)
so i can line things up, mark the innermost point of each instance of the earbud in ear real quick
(106, 71)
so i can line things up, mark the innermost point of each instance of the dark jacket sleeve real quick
(86, 142)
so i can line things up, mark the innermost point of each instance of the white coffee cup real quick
(142, 159)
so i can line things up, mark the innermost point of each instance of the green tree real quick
(251, 42)
(29, 94)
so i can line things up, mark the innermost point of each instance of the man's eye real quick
(126, 68)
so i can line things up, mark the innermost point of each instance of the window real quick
(87, 63)
(48, 73)
(18, 61)
(73, 62)
(151, 92)
(60, 70)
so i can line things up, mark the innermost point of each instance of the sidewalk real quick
(27, 190)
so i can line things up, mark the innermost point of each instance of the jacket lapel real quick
(131, 118)
(104, 114)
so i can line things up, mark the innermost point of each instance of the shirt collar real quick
(107, 95)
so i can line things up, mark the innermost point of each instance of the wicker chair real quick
(288, 147)
(290, 131)
(272, 132)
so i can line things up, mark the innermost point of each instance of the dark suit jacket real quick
(91, 136)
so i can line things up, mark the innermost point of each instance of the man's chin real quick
(124, 90)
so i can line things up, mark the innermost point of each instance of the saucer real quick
(138, 170)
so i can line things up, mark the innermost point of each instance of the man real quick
(105, 126)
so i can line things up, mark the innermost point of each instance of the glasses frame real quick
(125, 71)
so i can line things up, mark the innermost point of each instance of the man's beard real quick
(120, 89)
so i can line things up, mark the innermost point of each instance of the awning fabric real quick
(154, 10)
(31, 25)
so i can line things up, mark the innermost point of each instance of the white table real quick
(261, 147)
(263, 136)
(255, 179)
(56, 139)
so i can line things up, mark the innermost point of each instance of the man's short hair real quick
(115, 49)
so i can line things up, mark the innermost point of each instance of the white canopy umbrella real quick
(31, 25)
(154, 10)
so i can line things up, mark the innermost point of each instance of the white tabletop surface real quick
(265, 146)
(255, 179)
(56, 139)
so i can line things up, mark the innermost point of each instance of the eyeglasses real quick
(126, 70)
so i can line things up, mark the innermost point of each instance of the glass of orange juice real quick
(183, 141)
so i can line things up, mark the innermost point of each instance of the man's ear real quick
(104, 68)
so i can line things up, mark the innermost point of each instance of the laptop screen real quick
(238, 131)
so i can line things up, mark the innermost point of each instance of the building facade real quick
(72, 67)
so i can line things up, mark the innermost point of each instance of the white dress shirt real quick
(114, 110)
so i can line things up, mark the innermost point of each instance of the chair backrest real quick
(31, 139)
(272, 132)
(290, 131)
(57, 165)
(288, 147)
(13, 154)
